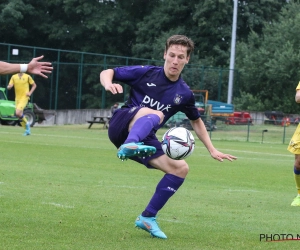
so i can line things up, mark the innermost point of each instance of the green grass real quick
(64, 188)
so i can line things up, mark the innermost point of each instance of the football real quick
(178, 143)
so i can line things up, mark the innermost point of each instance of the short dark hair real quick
(182, 40)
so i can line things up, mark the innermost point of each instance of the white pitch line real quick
(88, 138)
(57, 205)
(240, 190)
(59, 136)
(250, 152)
(47, 144)
(174, 221)
(119, 186)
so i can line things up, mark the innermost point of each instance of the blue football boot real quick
(150, 225)
(27, 131)
(135, 149)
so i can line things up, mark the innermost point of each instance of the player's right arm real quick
(10, 84)
(297, 96)
(106, 78)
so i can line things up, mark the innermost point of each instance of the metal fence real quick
(265, 133)
(259, 130)
(74, 83)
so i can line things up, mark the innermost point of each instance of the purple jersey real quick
(151, 88)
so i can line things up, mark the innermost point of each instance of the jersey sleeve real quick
(190, 110)
(129, 74)
(11, 81)
(30, 80)
(298, 87)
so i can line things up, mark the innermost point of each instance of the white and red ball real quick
(178, 143)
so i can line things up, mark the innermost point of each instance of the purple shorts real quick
(118, 133)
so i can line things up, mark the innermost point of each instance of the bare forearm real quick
(106, 77)
(9, 68)
(202, 134)
(32, 89)
(297, 97)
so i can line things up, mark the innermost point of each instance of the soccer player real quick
(156, 94)
(21, 82)
(294, 147)
(34, 67)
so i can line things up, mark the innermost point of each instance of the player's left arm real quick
(32, 89)
(297, 96)
(202, 134)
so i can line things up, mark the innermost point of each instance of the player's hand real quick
(39, 68)
(114, 88)
(220, 156)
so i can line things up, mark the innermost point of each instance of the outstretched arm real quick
(33, 67)
(106, 77)
(202, 134)
(9, 68)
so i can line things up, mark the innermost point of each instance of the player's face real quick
(175, 59)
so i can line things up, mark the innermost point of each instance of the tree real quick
(270, 62)
(214, 20)
(167, 18)
(12, 26)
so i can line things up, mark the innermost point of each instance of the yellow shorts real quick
(294, 146)
(21, 104)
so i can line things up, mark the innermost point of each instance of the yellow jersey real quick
(21, 85)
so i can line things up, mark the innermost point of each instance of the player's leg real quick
(294, 147)
(140, 126)
(20, 105)
(19, 113)
(175, 173)
(296, 201)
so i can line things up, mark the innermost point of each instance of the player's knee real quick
(297, 162)
(147, 111)
(18, 113)
(297, 165)
(183, 169)
(160, 115)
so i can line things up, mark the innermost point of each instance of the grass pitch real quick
(64, 188)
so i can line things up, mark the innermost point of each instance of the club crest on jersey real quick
(177, 99)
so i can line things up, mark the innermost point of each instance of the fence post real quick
(57, 80)
(284, 127)
(262, 135)
(211, 127)
(248, 130)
